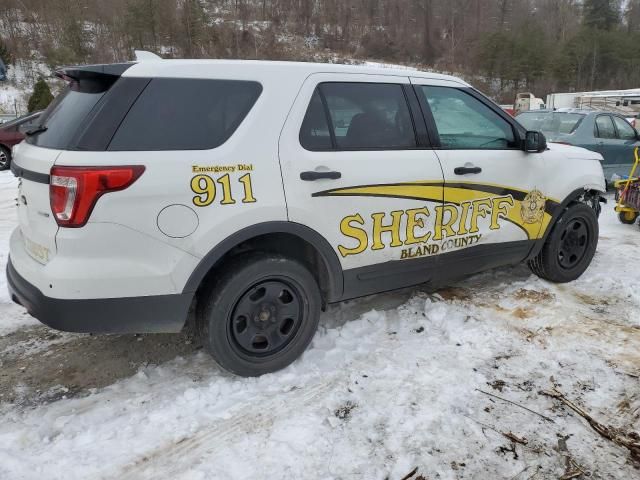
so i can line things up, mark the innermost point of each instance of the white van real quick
(249, 195)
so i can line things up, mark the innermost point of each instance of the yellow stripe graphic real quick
(452, 195)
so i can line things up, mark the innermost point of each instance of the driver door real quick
(495, 191)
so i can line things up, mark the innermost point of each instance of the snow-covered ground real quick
(391, 383)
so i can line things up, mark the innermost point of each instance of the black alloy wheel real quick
(259, 312)
(266, 317)
(574, 243)
(570, 246)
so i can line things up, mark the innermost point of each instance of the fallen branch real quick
(572, 469)
(517, 405)
(511, 436)
(628, 440)
(410, 474)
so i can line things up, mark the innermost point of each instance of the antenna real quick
(144, 56)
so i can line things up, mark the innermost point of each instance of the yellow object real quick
(619, 206)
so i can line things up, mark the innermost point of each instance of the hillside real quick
(521, 45)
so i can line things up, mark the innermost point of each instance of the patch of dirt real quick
(497, 384)
(593, 300)
(522, 313)
(534, 296)
(344, 412)
(455, 293)
(39, 365)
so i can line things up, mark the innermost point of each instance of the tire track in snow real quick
(169, 458)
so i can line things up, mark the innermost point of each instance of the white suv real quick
(249, 195)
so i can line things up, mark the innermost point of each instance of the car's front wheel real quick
(570, 246)
(5, 158)
(260, 314)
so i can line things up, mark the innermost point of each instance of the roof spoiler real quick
(87, 72)
(114, 70)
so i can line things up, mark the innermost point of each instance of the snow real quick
(391, 382)
(12, 317)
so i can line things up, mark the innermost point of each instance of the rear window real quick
(551, 122)
(66, 114)
(185, 114)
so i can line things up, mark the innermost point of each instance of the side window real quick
(185, 114)
(369, 116)
(604, 127)
(314, 134)
(463, 122)
(625, 131)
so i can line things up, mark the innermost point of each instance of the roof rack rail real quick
(144, 56)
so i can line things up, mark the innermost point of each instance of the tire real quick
(260, 314)
(628, 218)
(5, 158)
(570, 246)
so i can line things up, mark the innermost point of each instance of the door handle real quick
(311, 176)
(465, 170)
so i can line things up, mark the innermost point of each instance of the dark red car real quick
(12, 132)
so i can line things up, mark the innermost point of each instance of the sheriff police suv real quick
(249, 195)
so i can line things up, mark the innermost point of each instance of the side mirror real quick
(535, 142)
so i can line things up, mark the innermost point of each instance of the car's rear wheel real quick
(260, 314)
(5, 158)
(628, 218)
(570, 247)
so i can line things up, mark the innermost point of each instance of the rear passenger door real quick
(358, 169)
(494, 190)
(626, 141)
(606, 139)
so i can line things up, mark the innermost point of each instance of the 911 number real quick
(206, 191)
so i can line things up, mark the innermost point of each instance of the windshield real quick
(551, 122)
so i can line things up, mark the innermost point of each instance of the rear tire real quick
(570, 246)
(628, 218)
(5, 158)
(260, 314)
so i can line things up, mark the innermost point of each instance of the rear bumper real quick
(148, 314)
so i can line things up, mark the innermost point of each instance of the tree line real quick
(504, 46)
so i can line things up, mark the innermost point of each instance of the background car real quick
(12, 133)
(607, 133)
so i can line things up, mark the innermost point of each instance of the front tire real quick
(5, 158)
(260, 314)
(570, 247)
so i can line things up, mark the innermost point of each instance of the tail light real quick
(74, 191)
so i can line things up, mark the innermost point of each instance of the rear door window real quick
(366, 116)
(185, 114)
(625, 131)
(604, 127)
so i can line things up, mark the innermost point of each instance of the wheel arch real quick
(578, 195)
(292, 239)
